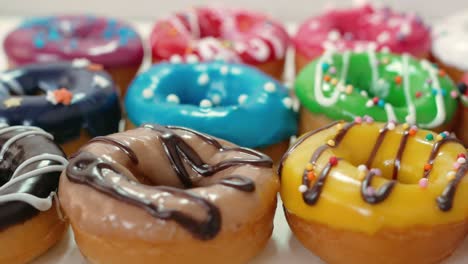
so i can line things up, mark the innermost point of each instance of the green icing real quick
(429, 93)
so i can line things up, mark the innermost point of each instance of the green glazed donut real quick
(383, 86)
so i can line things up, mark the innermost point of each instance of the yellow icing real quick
(341, 205)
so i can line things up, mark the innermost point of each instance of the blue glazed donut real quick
(230, 101)
(63, 98)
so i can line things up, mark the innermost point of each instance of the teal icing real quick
(264, 118)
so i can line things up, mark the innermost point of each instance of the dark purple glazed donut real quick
(67, 99)
(109, 42)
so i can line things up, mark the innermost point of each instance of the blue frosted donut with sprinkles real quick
(230, 101)
(73, 101)
(112, 43)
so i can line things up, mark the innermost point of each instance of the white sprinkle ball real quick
(205, 103)
(269, 87)
(148, 93)
(172, 98)
(242, 98)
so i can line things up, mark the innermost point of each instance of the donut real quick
(359, 28)
(234, 35)
(105, 41)
(230, 101)
(376, 193)
(168, 195)
(448, 46)
(380, 86)
(30, 222)
(73, 101)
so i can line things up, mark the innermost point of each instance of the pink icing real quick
(360, 28)
(104, 41)
(234, 35)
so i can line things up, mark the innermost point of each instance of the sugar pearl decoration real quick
(175, 59)
(224, 70)
(288, 102)
(269, 87)
(242, 98)
(461, 160)
(216, 99)
(423, 183)
(362, 167)
(172, 98)
(205, 103)
(302, 188)
(203, 79)
(192, 58)
(148, 93)
(391, 126)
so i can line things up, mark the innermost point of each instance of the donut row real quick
(184, 161)
(171, 194)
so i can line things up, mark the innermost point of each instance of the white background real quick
(290, 10)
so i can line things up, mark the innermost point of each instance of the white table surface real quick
(283, 246)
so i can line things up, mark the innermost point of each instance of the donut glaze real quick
(63, 98)
(386, 87)
(30, 167)
(391, 187)
(230, 101)
(449, 41)
(166, 185)
(203, 33)
(358, 28)
(105, 41)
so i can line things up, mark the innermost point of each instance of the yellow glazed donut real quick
(366, 192)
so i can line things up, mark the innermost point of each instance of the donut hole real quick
(357, 146)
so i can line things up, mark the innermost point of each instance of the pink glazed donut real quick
(234, 35)
(107, 42)
(359, 29)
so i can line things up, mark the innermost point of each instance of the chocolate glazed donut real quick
(63, 98)
(30, 166)
(175, 194)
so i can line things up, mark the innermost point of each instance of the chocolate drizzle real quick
(179, 153)
(445, 200)
(108, 140)
(401, 149)
(238, 182)
(435, 150)
(88, 169)
(378, 143)
(380, 194)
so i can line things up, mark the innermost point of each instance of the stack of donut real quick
(186, 158)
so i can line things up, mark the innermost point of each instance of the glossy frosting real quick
(161, 183)
(30, 166)
(369, 176)
(63, 98)
(230, 101)
(450, 37)
(101, 40)
(384, 86)
(360, 27)
(208, 33)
